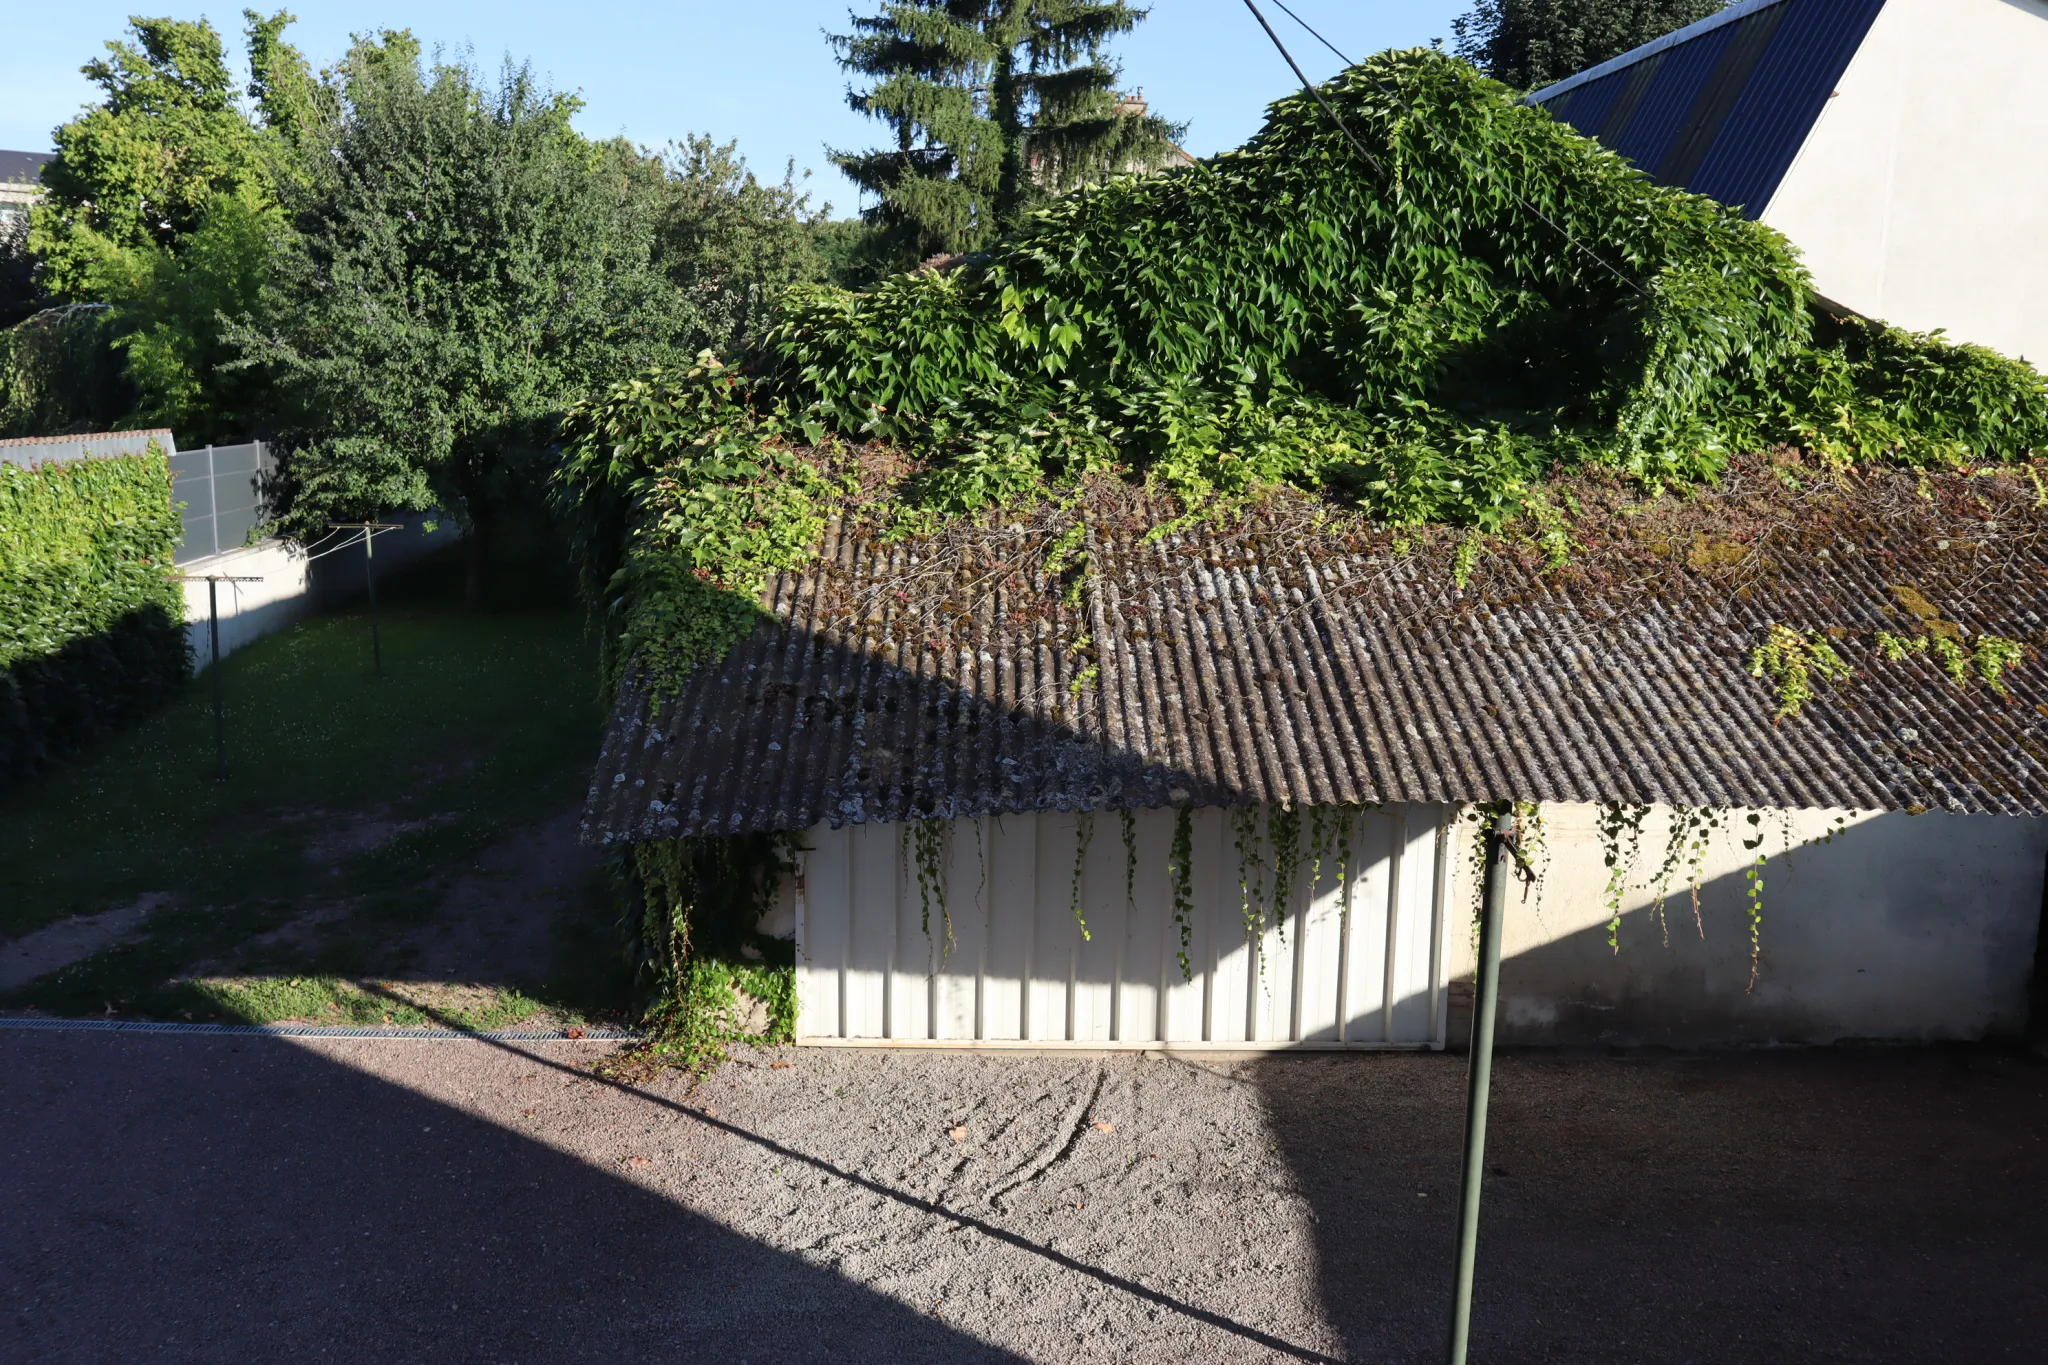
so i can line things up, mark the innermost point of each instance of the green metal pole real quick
(370, 577)
(220, 731)
(1486, 992)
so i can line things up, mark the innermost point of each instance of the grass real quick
(353, 805)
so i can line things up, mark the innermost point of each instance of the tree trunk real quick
(1006, 100)
(476, 563)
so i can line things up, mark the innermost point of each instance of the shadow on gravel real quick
(246, 1199)
(1826, 1205)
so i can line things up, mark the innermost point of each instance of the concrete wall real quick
(1921, 196)
(293, 585)
(1902, 927)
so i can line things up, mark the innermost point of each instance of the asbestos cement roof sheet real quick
(1288, 654)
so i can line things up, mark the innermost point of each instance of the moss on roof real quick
(1426, 328)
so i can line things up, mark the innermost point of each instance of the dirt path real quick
(509, 931)
(59, 945)
(214, 1198)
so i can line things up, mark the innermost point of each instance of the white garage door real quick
(1357, 964)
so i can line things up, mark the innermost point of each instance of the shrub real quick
(92, 626)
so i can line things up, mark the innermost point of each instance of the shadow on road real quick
(249, 1199)
(1824, 1205)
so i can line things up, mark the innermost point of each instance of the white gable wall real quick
(1921, 195)
(1873, 926)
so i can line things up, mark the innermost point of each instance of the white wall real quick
(248, 611)
(1921, 196)
(1899, 928)
(1357, 970)
(1903, 927)
(292, 587)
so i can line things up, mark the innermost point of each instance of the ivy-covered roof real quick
(1797, 636)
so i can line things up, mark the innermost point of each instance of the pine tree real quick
(995, 104)
(1531, 43)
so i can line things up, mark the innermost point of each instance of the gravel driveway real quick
(243, 1198)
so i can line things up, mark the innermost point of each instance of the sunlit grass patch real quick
(343, 1002)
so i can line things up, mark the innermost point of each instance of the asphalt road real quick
(213, 1198)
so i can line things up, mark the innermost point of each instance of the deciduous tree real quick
(460, 265)
(162, 202)
(1531, 43)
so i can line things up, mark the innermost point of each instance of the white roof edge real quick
(1738, 10)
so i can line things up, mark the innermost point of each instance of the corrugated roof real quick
(1720, 107)
(1303, 658)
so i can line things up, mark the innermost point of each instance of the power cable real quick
(1314, 93)
(1312, 33)
(1520, 198)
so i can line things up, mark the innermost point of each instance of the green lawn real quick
(353, 809)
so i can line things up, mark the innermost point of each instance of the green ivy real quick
(683, 496)
(693, 924)
(1428, 334)
(1497, 301)
(92, 626)
(1793, 660)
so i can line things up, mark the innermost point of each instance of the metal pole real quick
(1486, 992)
(220, 733)
(370, 577)
(212, 501)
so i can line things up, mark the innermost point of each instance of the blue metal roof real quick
(1720, 107)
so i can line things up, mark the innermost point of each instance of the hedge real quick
(92, 626)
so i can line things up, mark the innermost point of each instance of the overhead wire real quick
(1522, 199)
(345, 545)
(1314, 93)
(1312, 33)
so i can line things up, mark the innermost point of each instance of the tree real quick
(460, 265)
(995, 104)
(162, 202)
(1530, 43)
(144, 166)
(59, 373)
(171, 308)
(853, 251)
(731, 243)
(20, 292)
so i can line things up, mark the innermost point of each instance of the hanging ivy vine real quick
(1251, 879)
(695, 907)
(1180, 876)
(1621, 838)
(1283, 836)
(928, 841)
(1084, 834)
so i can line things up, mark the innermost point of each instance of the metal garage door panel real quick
(1357, 961)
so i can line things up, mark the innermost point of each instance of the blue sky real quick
(759, 72)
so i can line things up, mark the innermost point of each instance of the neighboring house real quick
(21, 176)
(957, 739)
(1897, 143)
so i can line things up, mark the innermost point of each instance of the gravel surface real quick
(245, 1198)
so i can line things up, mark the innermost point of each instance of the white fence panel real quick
(1357, 962)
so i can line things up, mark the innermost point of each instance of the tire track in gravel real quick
(1051, 1155)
